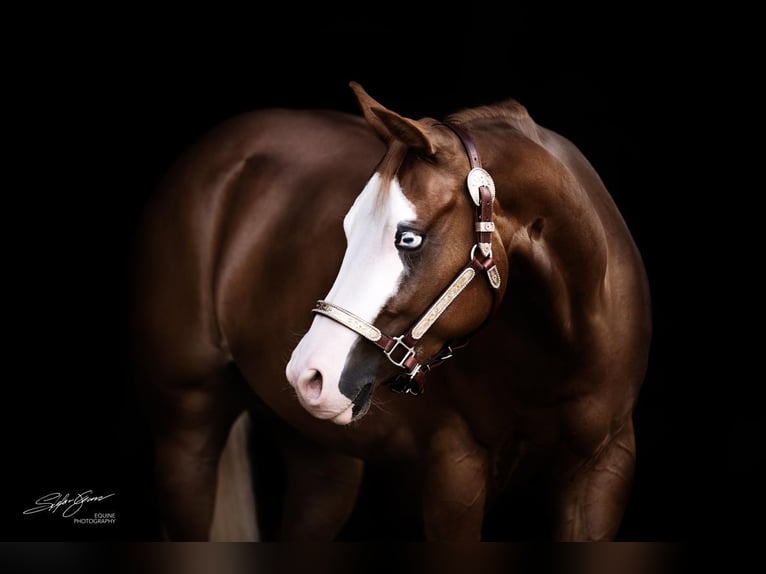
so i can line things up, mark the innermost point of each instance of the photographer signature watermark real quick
(70, 505)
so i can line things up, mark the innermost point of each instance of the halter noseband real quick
(400, 350)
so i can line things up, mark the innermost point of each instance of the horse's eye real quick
(408, 240)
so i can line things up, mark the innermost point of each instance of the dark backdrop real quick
(104, 102)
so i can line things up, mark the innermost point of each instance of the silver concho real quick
(476, 178)
(494, 277)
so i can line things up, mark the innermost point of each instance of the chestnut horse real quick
(525, 269)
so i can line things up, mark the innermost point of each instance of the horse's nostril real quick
(310, 384)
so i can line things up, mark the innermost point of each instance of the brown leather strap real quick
(483, 264)
(470, 147)
(484, 209)
(484, 215)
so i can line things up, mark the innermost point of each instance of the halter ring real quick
(488, 254)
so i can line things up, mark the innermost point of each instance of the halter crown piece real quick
(400, 350)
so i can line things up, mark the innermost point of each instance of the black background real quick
(103, 102)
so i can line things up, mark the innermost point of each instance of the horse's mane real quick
(510, 110)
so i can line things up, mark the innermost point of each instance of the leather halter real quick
(400, 349)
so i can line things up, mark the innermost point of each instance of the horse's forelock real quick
(388, 168)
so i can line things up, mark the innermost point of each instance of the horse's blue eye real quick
(408, 240)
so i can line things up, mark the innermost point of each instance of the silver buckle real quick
(477, 178)
(410, 352)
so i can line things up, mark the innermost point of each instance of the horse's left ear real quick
(390, 125)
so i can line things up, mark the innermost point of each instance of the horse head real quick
(405, 290)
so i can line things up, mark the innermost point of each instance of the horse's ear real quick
(390, 125)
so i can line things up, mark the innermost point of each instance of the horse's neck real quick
(546, 217)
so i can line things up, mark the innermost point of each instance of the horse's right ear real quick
(391, 126)
(367, 104)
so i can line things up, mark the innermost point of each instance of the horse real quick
(459, 299)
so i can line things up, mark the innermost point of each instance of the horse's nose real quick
(309, 385)
(314, 371)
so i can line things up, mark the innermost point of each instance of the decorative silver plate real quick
(476, 178)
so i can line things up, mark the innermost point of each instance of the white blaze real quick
(368, 277)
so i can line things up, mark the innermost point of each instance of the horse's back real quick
(242, 196)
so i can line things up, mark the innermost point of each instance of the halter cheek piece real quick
(400, 350)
